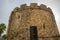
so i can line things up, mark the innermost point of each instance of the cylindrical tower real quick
(33, 20)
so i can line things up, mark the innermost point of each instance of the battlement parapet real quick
(42, 6)
(23, 6)
(33, 6)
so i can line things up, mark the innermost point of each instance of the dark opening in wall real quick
(18, 17)
(44, 26)
(33, 33)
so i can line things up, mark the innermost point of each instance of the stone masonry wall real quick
(22, 18)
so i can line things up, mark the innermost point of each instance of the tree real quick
(4, 36)
(2, 28)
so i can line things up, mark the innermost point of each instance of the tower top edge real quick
(33, 6)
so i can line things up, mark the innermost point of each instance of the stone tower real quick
(25, 19)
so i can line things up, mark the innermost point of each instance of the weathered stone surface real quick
(22, 18)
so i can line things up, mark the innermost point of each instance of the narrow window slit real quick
(44, 26)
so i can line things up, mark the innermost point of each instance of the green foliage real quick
(2, 28)
(4, 36)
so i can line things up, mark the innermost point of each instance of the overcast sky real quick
(6, 6)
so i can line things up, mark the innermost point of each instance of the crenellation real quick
(32, 6)
(23, 6)
(43, 6)
(16, 9)
(49, 9)
(35, 6)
